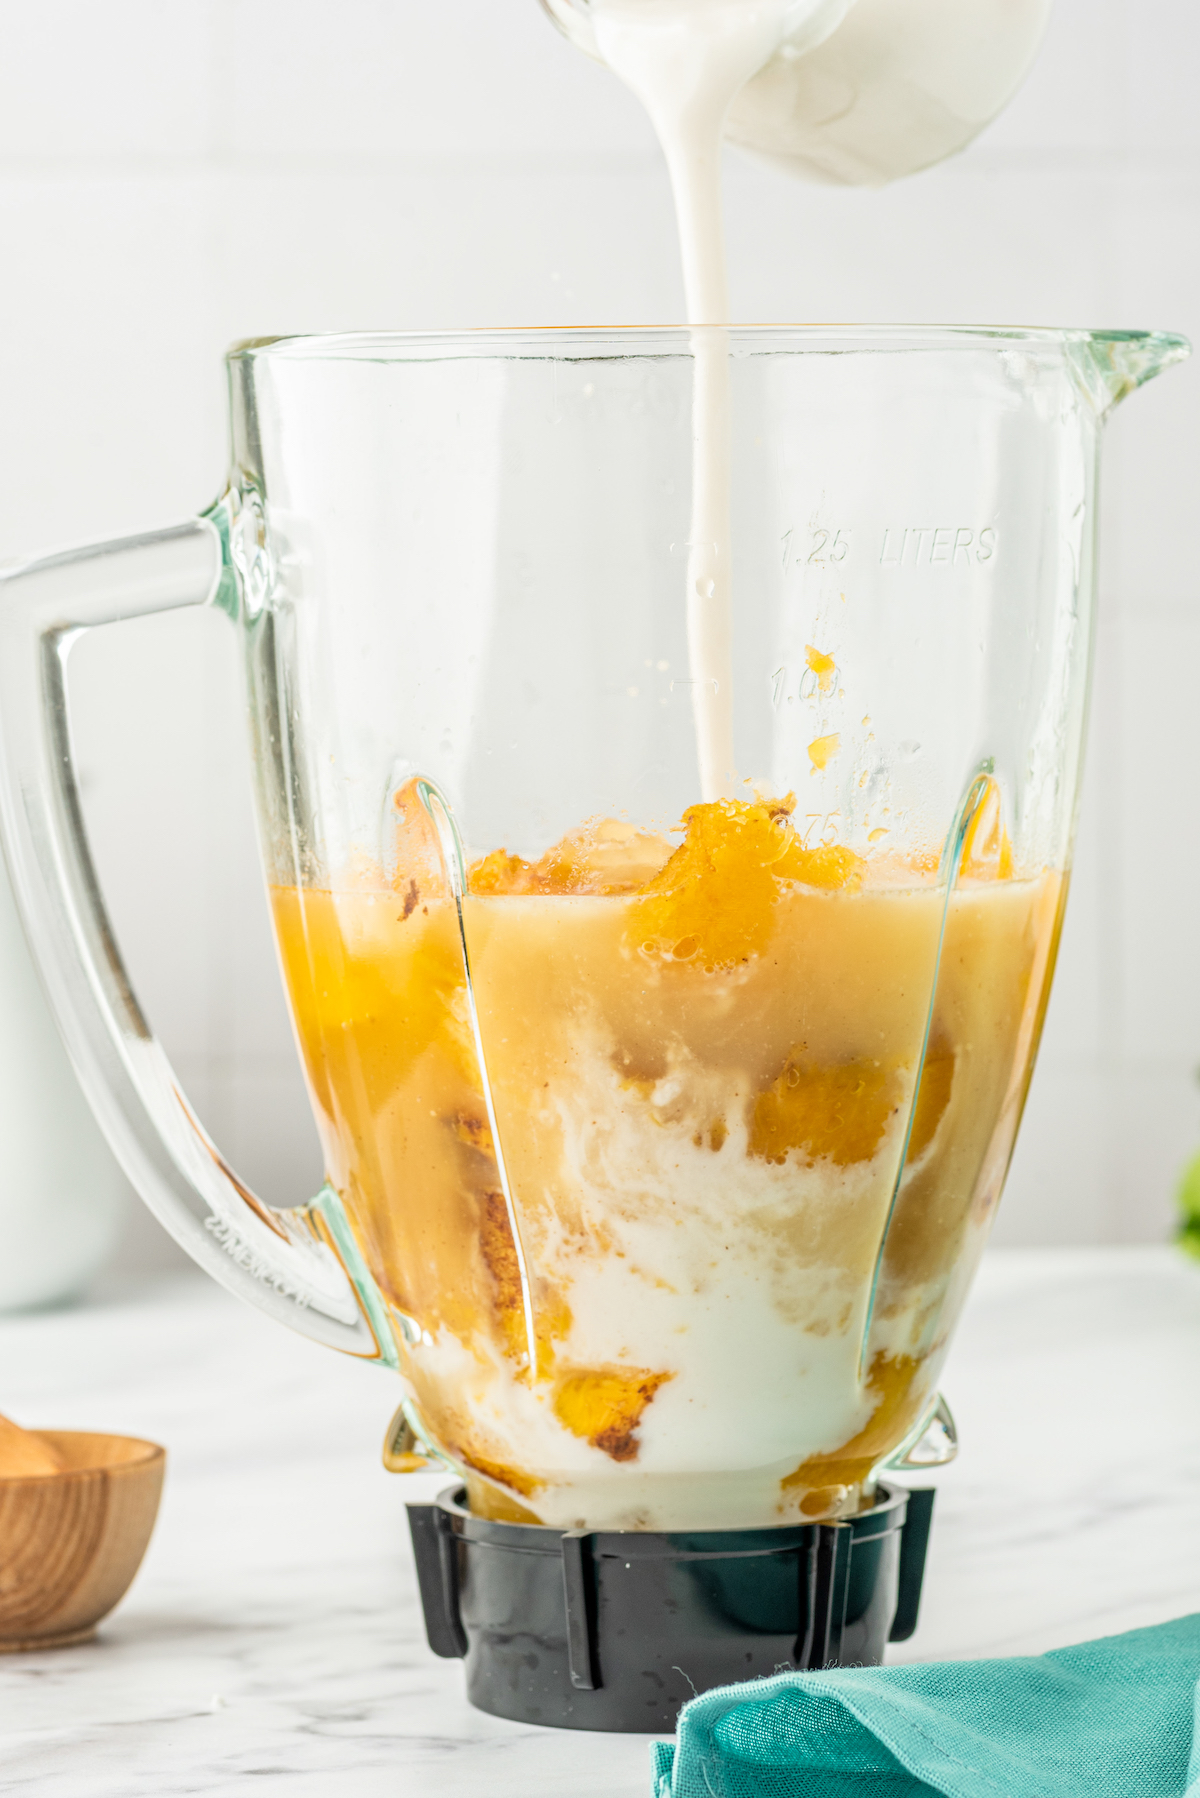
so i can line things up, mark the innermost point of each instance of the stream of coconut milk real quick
(686, 60)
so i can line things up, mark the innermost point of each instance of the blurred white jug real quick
(899, 85)
(62, 1196)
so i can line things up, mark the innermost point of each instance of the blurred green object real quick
(1188, 1195)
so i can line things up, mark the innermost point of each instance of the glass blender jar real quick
(662, 1135)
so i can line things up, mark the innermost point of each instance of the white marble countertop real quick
(272, 1641)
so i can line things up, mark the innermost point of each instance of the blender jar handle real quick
(301, 1266)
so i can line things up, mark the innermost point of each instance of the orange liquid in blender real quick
(739, 1245)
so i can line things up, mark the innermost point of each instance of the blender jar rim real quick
(573, 342)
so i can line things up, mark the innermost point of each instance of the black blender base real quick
(617, 1629)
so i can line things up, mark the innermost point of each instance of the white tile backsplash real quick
(1074, 98)
(1149, 559)
(1060, 1189)
(1160, 862)
(1154, 1131)
(971, 242)
(113, 394)
(474, 81)
(1161, 50)
(391, 249)
(130, 78)
(174, 176)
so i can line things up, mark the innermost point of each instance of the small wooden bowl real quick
(71, 1542)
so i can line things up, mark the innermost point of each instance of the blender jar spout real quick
(1112, 364)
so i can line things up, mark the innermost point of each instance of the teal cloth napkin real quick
(1110, 1719)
